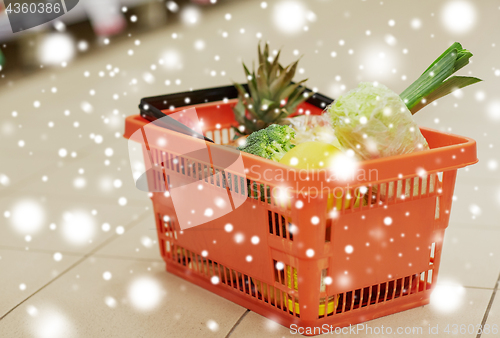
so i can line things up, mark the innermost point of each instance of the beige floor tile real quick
(470, 257)
(492, 324)
(50, 130)
(476, 205)
(138, 242)
(138, 299)
(46, 144)
(42, 141)
(97, 176)
(18, 169)
(469, 309)
(25, 272)
(77, 229)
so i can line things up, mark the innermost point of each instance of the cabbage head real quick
(374, 122)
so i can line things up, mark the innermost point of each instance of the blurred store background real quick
(85, 29)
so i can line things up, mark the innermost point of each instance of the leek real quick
(436, 82)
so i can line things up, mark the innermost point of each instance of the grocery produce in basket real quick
(312, 128)
(272, 142)
(437, 81)
(370, 121)
(374, 122)
(311, 155)
(272, 96)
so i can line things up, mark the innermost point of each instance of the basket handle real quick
(161, 119)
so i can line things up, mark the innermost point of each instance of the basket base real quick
(320, 326)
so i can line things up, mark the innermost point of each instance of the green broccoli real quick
(272, 142)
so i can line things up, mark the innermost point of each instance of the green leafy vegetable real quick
(435, 82)
(373, 121)
(272, 142)
(447, 87)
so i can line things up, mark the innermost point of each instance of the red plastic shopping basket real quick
(315, 261)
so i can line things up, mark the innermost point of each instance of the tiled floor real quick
(78, 247)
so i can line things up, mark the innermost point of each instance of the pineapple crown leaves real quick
(272, 95)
